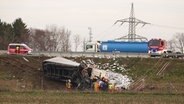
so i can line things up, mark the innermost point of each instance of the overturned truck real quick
(62, 69)
(81, 74)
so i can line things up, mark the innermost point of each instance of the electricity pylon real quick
(133, 22)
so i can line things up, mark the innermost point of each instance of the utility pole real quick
(133, 22)
(90, 34)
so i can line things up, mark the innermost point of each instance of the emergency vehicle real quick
(157, 47)
(19, 48)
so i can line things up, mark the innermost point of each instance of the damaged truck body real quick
(82, 75)
(62, 69)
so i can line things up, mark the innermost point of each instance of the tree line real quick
(52, 38)
(55, 38)
(15, 32)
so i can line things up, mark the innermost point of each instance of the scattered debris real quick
(121, 81)
(23, 86)
(85, 74)
(25, 59)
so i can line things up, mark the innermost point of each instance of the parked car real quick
(179, 55)
(168, 54)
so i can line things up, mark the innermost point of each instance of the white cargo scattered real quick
(84, 73)
(120, 81)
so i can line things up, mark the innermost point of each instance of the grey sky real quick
(78, 15)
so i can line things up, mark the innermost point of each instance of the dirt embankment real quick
(24, 73)
(19, 73)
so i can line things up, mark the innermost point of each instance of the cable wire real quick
(165, 26)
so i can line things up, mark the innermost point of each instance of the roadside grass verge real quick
(58, 97)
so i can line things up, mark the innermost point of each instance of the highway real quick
(96, 54)
(91, 54)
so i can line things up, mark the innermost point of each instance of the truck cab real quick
(92, 47)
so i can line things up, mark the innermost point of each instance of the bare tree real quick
(179, 41)
(171, 45)
(61, 37)
(77, 41)
(53, 33)
(83, 44)
(37, 39)
(50, 39)
(40, 40)
(64, 42)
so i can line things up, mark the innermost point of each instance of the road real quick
(91, 54)
(95, 54)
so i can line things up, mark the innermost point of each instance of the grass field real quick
(57, 97)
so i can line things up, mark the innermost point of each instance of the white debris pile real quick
(120, 81)
(107, 71)
(115, 66)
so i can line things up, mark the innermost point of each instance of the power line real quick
(103, 33)
(165, 26)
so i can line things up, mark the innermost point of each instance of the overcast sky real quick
(100, 15)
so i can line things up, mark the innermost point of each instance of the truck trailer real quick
(117, 46)
(121, 46)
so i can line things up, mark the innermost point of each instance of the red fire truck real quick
(157, 46)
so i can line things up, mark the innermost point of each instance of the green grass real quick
(57, 97)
